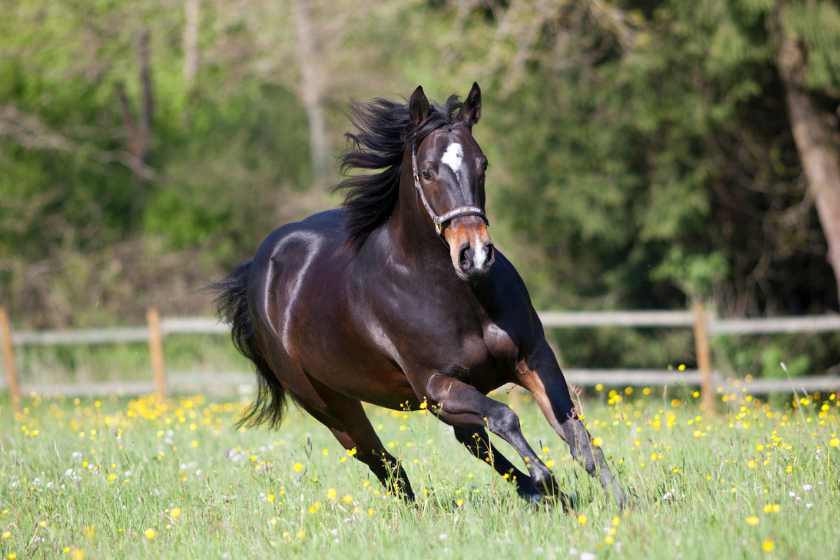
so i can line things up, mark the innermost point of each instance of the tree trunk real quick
(310, 90)
(144, 125)
(819, 156)
(191, 41)
(138, 130)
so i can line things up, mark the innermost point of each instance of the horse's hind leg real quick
(346, 419)
(343, 415)
(477, 441)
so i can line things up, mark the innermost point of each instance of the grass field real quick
(121, 478)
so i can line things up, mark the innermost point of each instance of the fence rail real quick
(702, 322)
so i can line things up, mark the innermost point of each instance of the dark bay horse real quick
(400, 298)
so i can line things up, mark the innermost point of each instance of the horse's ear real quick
(470, 111)
(418, 106)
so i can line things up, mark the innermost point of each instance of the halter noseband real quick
(452, 214)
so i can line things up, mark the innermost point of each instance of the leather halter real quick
(441, 220)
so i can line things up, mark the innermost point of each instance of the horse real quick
(400, 299)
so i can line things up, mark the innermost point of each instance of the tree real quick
(807, 37)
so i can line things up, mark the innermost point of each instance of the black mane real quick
(383, 130)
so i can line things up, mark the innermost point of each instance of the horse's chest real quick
(487, 358)
(500, 344)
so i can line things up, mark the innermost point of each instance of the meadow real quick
(136, 478)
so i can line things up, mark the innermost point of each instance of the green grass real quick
(93, 479)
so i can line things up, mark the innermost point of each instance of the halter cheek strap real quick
(441, 220)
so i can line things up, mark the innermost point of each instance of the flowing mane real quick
(383, 130)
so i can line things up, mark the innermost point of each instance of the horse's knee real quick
(504, 421)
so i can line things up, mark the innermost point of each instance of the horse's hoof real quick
(531, 497)
(620, 496)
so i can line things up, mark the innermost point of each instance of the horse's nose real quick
(465, 258)
(470, 248)
(490, 252)
(475, 262)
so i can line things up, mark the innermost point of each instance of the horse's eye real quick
(426, 175)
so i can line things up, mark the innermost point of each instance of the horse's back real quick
(308, 238)
(294, 263)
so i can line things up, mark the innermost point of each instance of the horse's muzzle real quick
(475, 262)
(470, 248)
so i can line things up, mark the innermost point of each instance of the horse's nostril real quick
(491, 252)
(464, 260)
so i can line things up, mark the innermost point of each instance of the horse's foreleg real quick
(478, 442)
(541, 375)
(460, 404)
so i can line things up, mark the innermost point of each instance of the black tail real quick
(232, 307)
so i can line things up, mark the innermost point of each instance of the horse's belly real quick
(364, 376)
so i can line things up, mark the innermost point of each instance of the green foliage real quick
(224, 152)
(817, 24)
(763, 356)
(641, 154)
(696, 275)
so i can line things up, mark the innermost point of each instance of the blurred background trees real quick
(643, 153)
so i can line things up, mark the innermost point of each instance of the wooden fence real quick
(701, 322)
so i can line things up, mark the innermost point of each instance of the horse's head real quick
(448, 168)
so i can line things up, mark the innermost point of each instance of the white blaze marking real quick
(453, 157)
(480, 252)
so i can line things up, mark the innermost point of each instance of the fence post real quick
(156, 351)
(704, 360)
(9, 359)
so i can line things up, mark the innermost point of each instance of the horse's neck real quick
(411, 236)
